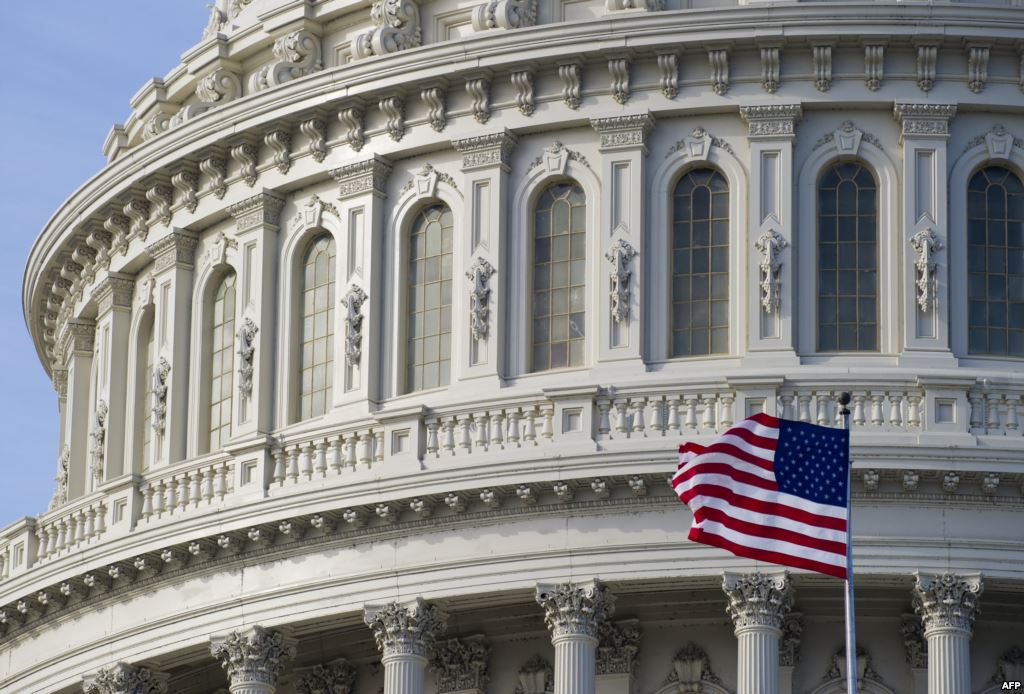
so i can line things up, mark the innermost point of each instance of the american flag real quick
(772, 490)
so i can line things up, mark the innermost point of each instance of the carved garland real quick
(619, 255)
(479, 274)
(246, 337)
(770, 244)
(925, 243)
(353, 303)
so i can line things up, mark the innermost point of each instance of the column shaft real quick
(575, 664)
(949, 662)
(758, 656)
(404, 674)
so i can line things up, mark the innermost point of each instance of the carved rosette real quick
(353, 303)
(947, 601)
(246, 339)
(254, 655)
(479, 274)
(575, 610)
(409, 629)
(461, 665)
(757, 599)
(336, 677)
(925, 244)
(617, 646)
(620, 255)
(769, 245)
(915, 646)
(158, 387)
(123, 678)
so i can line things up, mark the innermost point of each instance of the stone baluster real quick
(622, 416)
(448, 435)
(513, 427)
(710, 412)
(195, 494)
(604, 421)
(497, 427)
(480, 420)
(208, 475)
(432, 442)
(858, 408)
(691, 412)
(320, 458)
(787, 405)
(465, 442)
(672, 420)
(253, 658)
(1012, 417)
(992, 410)
(350, 450)
(123, 678)
(758, 604)
(948, 604)
(725, 419)
(914, 411)
(530, 433)
(378, 446)
(336, 447)
(896, 409)
(654, 423)
(405, 635)
(293, 464)
(822, 408)
(306, 460)
(639, 405)
(548, 422)
(101, 522)
(804, 407)
(220, 485)
(876, 409)
(573, 614)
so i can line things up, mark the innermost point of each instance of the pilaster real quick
(461, 665)
(481, 256)
(573, 614)
(256, 223)
(361, 283)
(76, 348)
(617, 647)
(758, 604)
(336, 676)
(123, 678)
(621, 251)
(924, 134)
(769, 247)
(171, 289)
(405, 635)
(113, 297)
(253, 658)
(948, 605)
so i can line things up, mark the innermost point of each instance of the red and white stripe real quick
(731, 489)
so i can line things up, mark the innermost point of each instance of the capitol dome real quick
(375, 340)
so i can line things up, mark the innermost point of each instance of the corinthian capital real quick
(253, 655)
(947, 600)
(409, 629)
(757, 599)
(126, 679)
(575, 610)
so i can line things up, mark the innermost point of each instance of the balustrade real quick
(174, 491)
(302, 458)
(69, 527)
(496, 428)
(995, 410)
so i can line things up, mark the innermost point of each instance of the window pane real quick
(429, 319)
(318, 327)
(222, 331)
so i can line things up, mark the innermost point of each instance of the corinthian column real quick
(758, 603)
(125, 679)
(253, 658)
(574, 613)
(948, 604)
(405, 635)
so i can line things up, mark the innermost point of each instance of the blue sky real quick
(71, 67)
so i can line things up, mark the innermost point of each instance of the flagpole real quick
(851, 638)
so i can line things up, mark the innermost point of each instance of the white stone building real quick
(384, 322)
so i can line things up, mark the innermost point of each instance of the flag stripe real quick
(768, 531)
(773, 502)
(760, 471)
(766, 519)
(706, 538)
(709, 467)
(732, 450)
(779, 546)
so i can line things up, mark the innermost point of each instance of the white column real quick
(573, 614)
(76, 347)
(253, 658)
(758, 603)
(113, 297)
(123, 678)
(948, 604)
(405, 633)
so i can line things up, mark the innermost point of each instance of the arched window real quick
(559, 277)
(146, 402)
(317, 328)
(222, 342)
(429, 334)
(700, 264)
(995, 263)
(847, 259)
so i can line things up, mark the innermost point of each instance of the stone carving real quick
(914, 644)
(1010, 666)
(575, 609)
(315, 130)
(718, 59)
(158, 406)
(623, 132)
(237, 6)
(998, 141)
(822, 59)
(311, 214)
(847, 138)
(617, 646)
(396, 28)
(865, 669)
(280, 141)
(215, 168)
(393, 109)
(137, 211)
(486, 150)
(353, 303)
(159, 123)
(160, 198)
(926, 56)
(874, 66)
(461, 665)
(186, 182)
(668, 74)
(619, 255)
(618, 70)
(262, 209)
(990, 482)
(504, 14)
(871, 480)
(571, 87)
(924, 119)
(479, 274)
(245, 154)
(697, 145)
(536, 676)
(977, 67)
(479, 90)
(910, 481)
(925, 243)
(123, 678)
(336, 677)
(214, 89)
(522, 82)
(649, 5)
(434, 99)
(690, 667)
(60, 493)
(217, 253)
(246, 338)
(98, 436)
(947, 600)
(770, 245)
(771, 120)
(410, 629)
(352, 119)
(298, 55)
(100, 240)
(789, 644)
(757, 599)
(255, 655)
(215, 24)
(770, 69)
(366, 176)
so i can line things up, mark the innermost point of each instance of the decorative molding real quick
(158, 405)
(925, 243)
(261, 210)
(618, 71)
(522, 83)
(623, 132)
(504, 14)
(367, 176)
(571, 76)
(425, 182)
(698, 145)
(246, 156)
(486, 150)
(619, 256)
(770, 245)
(915, 646)
(311, 214)
(998, 140)
(556, 156)
(215, 24)
(297, 55)
(947, 600)
(874, 66)
(479, 274)
(137, 211)
(461, 665)
(479, 90)
(847, 138)
(315, 130)
(352, 119)
(405, 629)
(217, 253)
(434, 99)
(977, 67)
(575, 609)
(97, 439)
(393, 108)
(770, 68)
(927, 120)
(690, 668)
(253, 655)
(668, 74)
(771, 120)
(186, 182)
(114, 291)
(123, 678)
(821, 56)
(77, 337)
(927, 53)
(757, 599)
(280, 141)
(865, 668)
(215, 168)
(353, 303)
(789, 643)
(160, 198)
(647, 5)
(718, 60)
(336, 677)
(212, 90)
(60, 492)
(246, 338)
(396, 28)
(536, 676)
(617, 646)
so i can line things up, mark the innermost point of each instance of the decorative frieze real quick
(757, 599)
(623, 132)
(947, 600)
(461, 665)
(263, 209)
(405, 629)
(571, 76)
(296, 55)
(353, 306)
(336, 677)
(280, 142)
(617, 647)
(504, 14)
(486, 150)
(522, 83)
(771, 120)
(434, 99)
(874, 66)
(123, 678)
(396, 28)
(922, 119)
(925, 244)
(479, 275)
(246, 340)
(718, 61)
(668, 74)
(367, 176)
(315, 130)
(575, 609)
(253, 655)
(77, 337)
(619, 256)
(770, 245)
